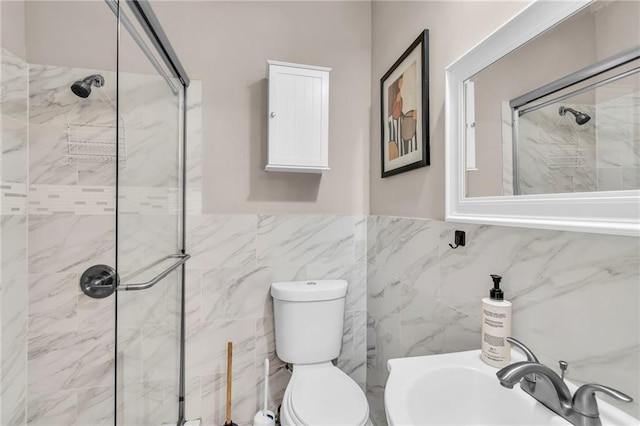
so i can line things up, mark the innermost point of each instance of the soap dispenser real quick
(496, 326)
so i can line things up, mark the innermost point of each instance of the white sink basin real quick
(459, 389)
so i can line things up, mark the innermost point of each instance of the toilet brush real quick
(228, 421)
(265, 417)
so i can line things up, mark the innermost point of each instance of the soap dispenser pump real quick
(496, 326)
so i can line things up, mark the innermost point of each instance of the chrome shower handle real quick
(99, 281)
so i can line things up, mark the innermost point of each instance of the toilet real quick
(309, 317)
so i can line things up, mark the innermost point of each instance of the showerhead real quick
(82, 88)
(581, 118)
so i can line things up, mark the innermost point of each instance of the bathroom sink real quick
(459, 389)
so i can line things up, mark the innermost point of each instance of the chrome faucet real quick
(547, 387)
(527, 352)
(530, 379)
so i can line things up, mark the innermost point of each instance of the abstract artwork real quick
(405, 110)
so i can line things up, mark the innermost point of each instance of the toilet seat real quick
(322, 394)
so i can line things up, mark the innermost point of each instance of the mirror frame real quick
(611, 212)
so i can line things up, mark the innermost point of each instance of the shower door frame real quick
(149, 22)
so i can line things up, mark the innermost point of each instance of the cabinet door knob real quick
(273, 114)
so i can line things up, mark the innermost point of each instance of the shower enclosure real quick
(578, 133)
(93, 215)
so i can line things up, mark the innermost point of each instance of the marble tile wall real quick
(71, 336)
(59, 120)
(13, 233)
(90, 199)
(235, 260)
(575, 297)
(194, 148)
(72, 351)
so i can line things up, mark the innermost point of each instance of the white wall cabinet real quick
(298, 118)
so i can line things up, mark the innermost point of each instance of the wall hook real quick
(460, 240)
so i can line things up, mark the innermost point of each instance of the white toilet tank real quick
(309, 317)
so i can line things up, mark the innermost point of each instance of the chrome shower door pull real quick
(101, 281)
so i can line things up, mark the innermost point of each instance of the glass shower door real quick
(149, 227)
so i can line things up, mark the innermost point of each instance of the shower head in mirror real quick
(82, 88)
(581, 118)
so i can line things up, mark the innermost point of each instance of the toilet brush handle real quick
(266, 383)
(229, 377)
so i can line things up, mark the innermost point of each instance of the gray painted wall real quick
(12, 31)
(226, 45)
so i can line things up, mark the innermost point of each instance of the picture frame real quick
(404, 107)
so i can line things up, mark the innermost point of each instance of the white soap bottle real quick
(496, 326)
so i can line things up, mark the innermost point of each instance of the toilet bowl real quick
(322, 394)
(309, 318)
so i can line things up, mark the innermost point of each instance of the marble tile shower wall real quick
(13, 249)
(71, 343)
(60, 122)
(235, 259)
(575, 297)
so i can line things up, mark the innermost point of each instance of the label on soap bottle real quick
(496, 327)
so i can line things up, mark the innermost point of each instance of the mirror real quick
(560, 134)
(543, 121)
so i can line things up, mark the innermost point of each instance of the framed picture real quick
(404, 100)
